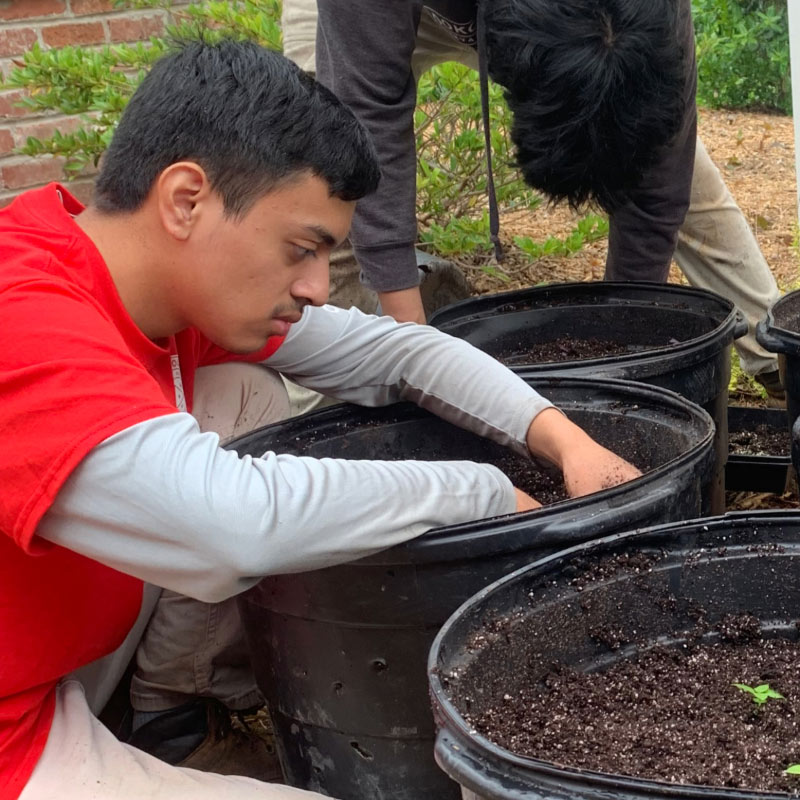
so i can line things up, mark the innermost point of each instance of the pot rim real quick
(464, 735)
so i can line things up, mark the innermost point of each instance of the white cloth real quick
(82, 760)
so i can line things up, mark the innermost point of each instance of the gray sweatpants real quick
(716, 247)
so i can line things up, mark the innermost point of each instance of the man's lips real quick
(284, 323)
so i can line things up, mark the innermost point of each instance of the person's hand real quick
(525, 502)
(587, 466)
(404, 305)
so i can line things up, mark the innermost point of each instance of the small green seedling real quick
(760, 693)
(793, 769)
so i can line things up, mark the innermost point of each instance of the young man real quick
(603, 98)
(228, 181)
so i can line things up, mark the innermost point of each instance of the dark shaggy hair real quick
(596, 87)
(247, 115)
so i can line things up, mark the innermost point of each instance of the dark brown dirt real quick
(544, 486)
(761, 440)
(565, 348)
(668, 714)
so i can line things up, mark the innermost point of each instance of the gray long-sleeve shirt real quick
(364, 50)
(161, 501)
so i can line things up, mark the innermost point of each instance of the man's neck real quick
(138, 261)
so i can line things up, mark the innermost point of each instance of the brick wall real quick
(54, 23)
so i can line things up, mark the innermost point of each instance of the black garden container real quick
(340, 653)
(766, 472)
(549, 613)
(675, 337)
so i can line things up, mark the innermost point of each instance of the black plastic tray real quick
(744, 473)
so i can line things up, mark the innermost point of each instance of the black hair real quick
(595, 87)
(248, 116)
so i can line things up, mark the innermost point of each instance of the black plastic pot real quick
(780, 333)
(677, 337)
(340, 653)
(756, 473)
(725, 565)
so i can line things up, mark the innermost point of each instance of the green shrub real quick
(743, 54)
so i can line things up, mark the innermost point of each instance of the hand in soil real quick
(587, 466)
(525, 502)
(595, 468)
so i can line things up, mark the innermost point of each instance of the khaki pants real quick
(716, 247)
(82, 760)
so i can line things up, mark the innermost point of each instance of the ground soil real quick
(669, 714)
(760, 441)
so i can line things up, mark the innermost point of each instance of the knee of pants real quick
(235, 398)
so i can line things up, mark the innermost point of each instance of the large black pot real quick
(340, 653)
(676, 337)
(738, 563)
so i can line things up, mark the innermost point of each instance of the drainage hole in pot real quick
(365, 754)
(380, 665)
(338, 687)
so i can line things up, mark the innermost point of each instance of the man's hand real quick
(525, 502)
(587, 466)
(404, 305)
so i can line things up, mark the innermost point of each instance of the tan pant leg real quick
(191, 648)
(299, 26)
(718, 251)
(82, 760)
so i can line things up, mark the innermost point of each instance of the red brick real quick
(80, 7)
(73, 33)
(83, 189)
(135, 29)
(46, 128)
(6, 142)
(28, 9)
(32, 173)
(15, 41)
(9, 107)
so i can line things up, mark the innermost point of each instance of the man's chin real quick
(240, 348)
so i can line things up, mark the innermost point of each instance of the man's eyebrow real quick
(322, 233)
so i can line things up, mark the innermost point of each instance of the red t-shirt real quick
(74, 370)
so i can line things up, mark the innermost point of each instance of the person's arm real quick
(364, 53)
(643, 233)
(374, 361)
(404, 305)
(163, 502)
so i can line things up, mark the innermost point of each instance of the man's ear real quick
(183, 192)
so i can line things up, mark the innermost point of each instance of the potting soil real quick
(763, 440)
(565, 348)
(669, 714)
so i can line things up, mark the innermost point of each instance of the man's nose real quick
(314, 284)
